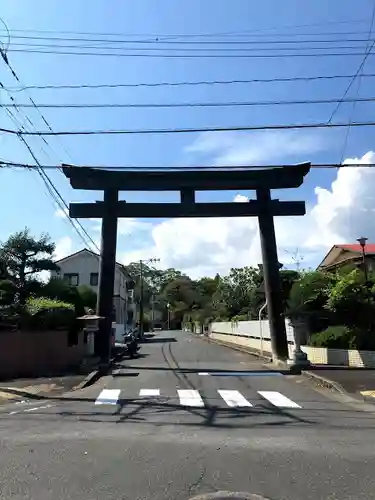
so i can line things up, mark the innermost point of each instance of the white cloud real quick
(233, 148)
(61, 213)
(64, 247)
(126, 227)
(341, 213)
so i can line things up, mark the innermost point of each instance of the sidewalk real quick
(39, 386)
(358, 382)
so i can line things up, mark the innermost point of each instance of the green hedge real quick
(343, 337)
(44, 313)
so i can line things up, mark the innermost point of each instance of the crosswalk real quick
(192, 397)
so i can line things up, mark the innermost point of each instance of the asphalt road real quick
(164, 431)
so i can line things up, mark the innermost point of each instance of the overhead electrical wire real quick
(183, 50)
(194, 35)
(369, 47)
(189, 104)
(186, 130)
(50, 186)
(9, 164)
(184, 42)
(184, 83)
(187, 56)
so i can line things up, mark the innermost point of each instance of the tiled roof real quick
(356, 247)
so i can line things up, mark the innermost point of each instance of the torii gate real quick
(187, 182)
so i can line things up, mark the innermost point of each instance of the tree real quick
(81, 296)
(308, 299)
(352, 302)
(88, 296)
(25, 257)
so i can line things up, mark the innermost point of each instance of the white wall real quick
(246, 334)
(256, 329)
(84, 264)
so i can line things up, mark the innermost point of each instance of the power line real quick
(193, 35)
(359, 73)
(184, 42)
(185, 83)
(190, 56)
(9, 164)
(50, 186)
(188, 104)
(183, 50)
(187, 130)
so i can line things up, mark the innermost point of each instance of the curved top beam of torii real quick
(196, 179)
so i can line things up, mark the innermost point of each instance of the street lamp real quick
(168, 309)
(362, 241)
(141, 262)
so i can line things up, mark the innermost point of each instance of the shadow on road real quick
(143, 411)
(216, 371)
(160, 340)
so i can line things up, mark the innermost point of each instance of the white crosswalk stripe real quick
(277, 399)
(149, 392)
(108, 397)
(234, 398)
(190, 397)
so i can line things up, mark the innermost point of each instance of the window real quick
(71, 278)
(94, 279)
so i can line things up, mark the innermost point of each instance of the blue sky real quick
(23, 199)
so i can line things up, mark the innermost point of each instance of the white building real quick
(82, 268)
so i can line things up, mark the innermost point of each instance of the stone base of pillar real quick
(299, 359)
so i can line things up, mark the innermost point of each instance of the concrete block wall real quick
(247, 334)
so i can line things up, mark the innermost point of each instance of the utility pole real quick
(141, 308)
(141, 332)
(297, 258)
(153, 311)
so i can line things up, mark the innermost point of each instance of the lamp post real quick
(362, 241)
(141, 314)
(168, 309)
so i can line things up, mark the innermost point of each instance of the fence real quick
(255, 336)
(29, 354)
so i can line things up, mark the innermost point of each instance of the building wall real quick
(86, 263)
(30, 354)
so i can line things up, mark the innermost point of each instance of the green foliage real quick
(343, 337)
(308, 298)
(23, 257)
(352, 301)
(44, 313)
(88, 296)
(7, 292)
(334, 337)
(37, 305)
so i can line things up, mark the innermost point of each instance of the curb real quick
(19, 393)
(325, 382)
(321, 381)
(244, 349)
(89, 380)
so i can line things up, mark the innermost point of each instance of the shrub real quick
(343, 337)
(240, 317)
(44, 313)
(334, 337)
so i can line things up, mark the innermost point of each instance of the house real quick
(341, 255)
(82, 268)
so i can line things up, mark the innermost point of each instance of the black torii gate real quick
(187, 182)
